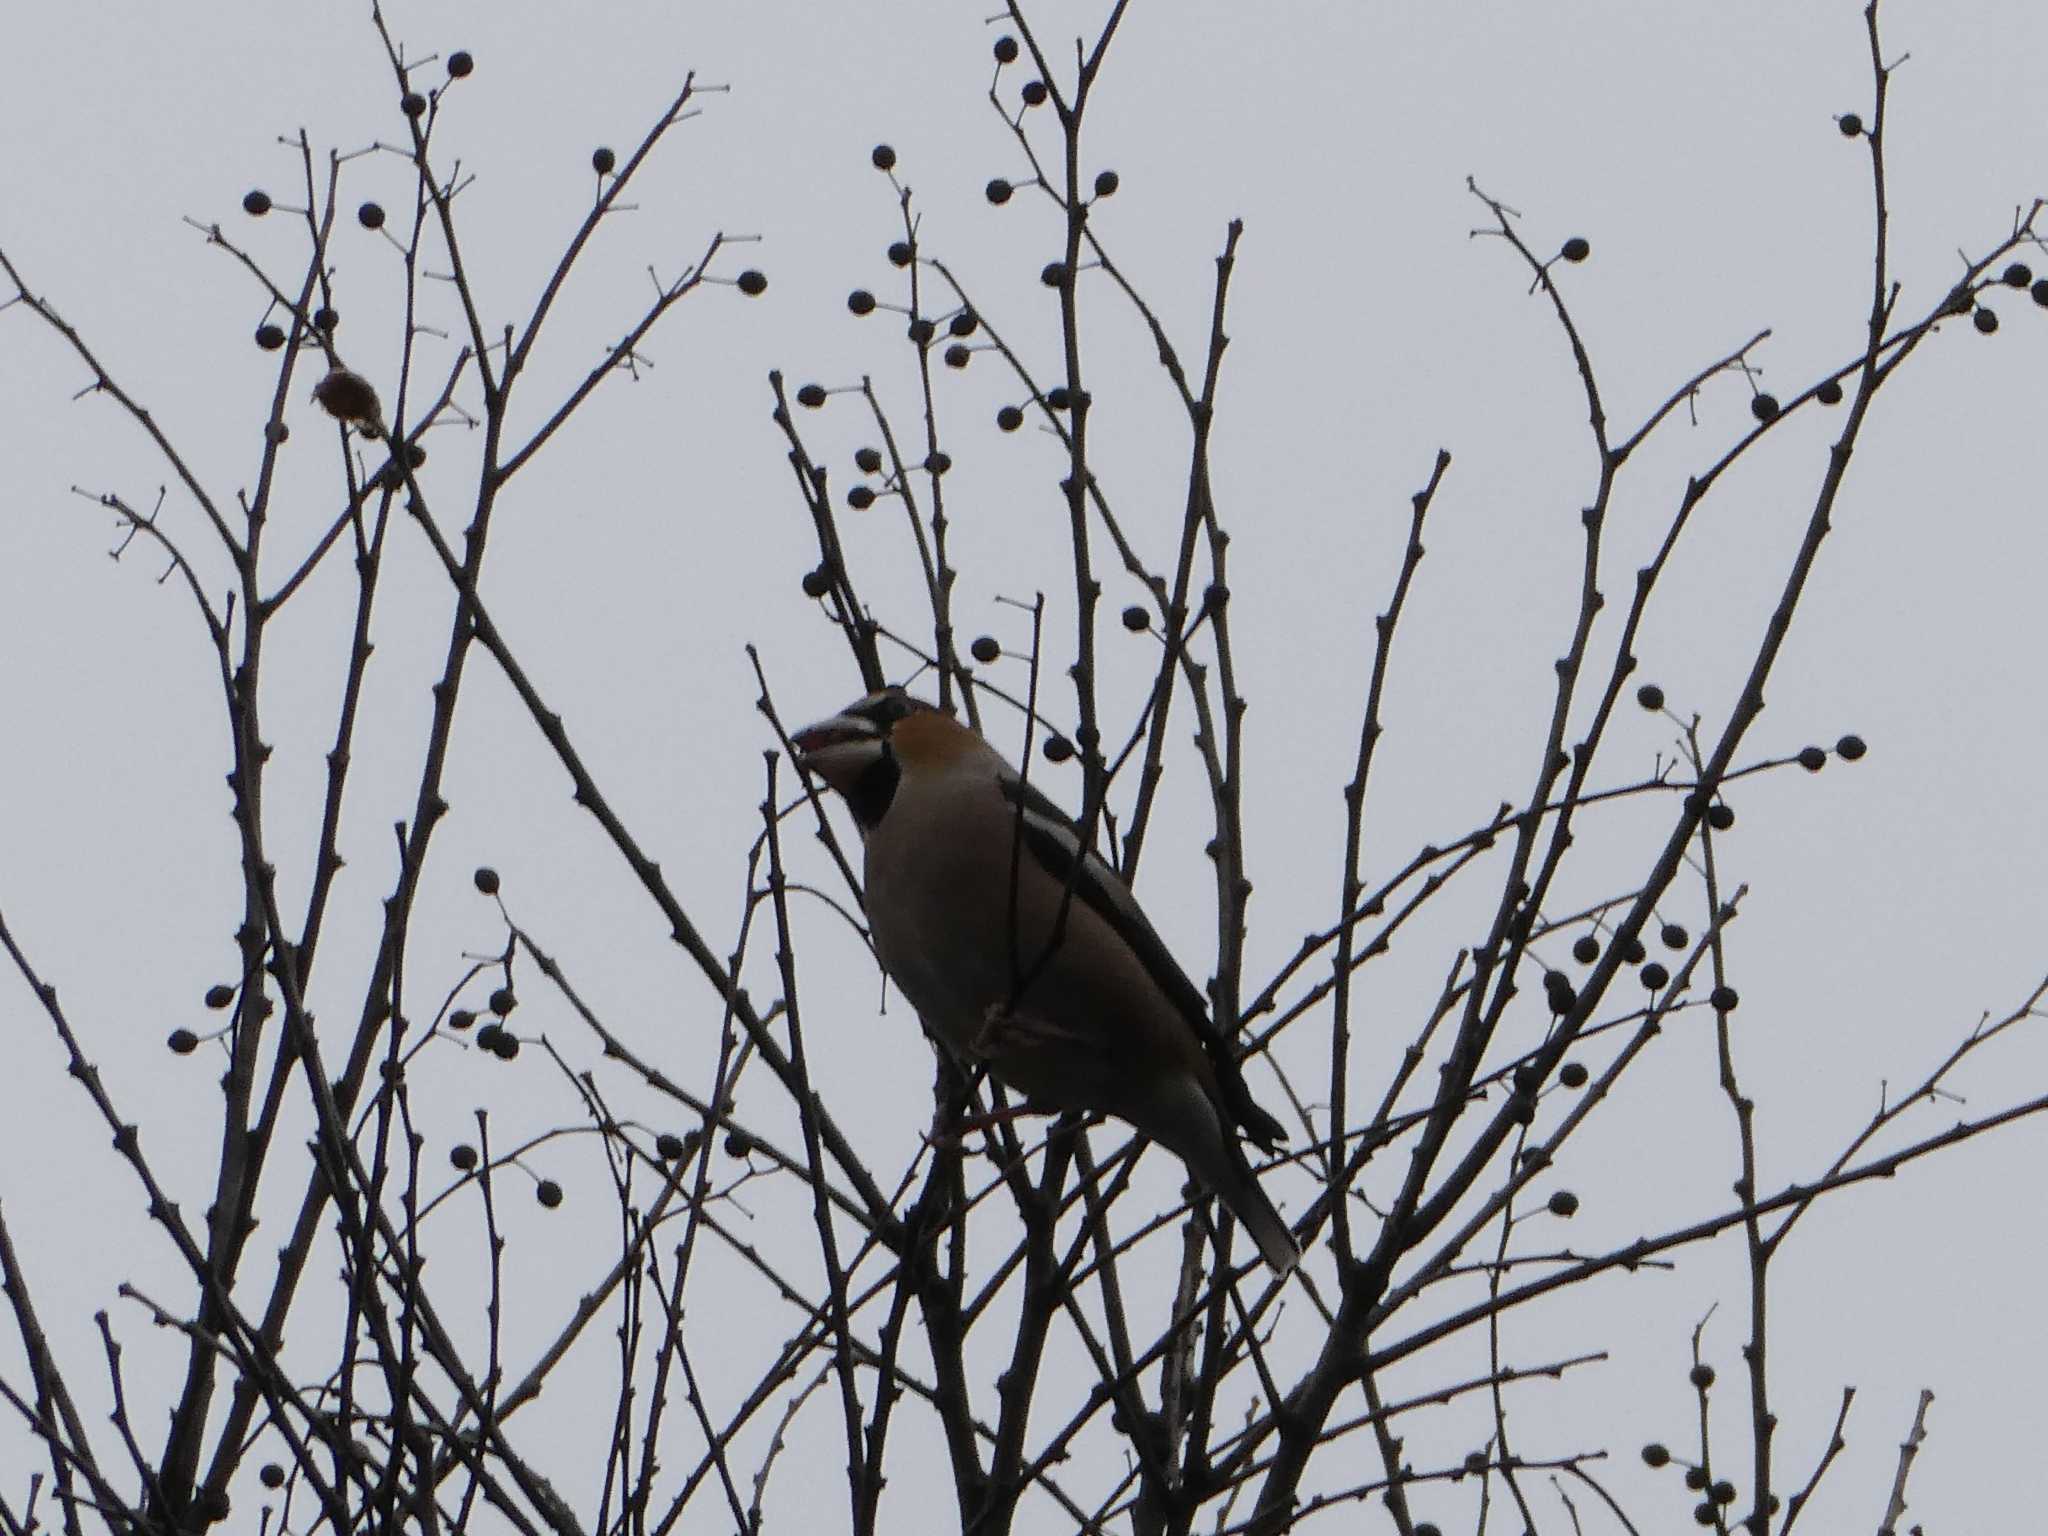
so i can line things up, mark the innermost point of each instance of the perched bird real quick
(1030, 955)
(351, 398)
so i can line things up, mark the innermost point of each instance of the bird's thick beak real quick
(838, 748)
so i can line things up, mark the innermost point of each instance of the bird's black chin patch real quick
(872, 791)
(850, 754)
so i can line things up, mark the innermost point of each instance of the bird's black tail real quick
(1268, 1228)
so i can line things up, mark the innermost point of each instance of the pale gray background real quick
(1892, 901)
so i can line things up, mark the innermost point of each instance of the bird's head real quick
(865, 750)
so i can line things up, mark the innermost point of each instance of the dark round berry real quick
(1850, 124)
(921, 331)
(1705, 1512)
(1829, 392)
(998, 191)
(812, 395)
(868, 460)
(1673, 935)
(1563, 1203)
(1655, 1455)
(900, 253)
(1724, 999)
(963, 324)
(548, 1193)
(1136, 619)
(415, 455)
(817, 582)
(1849, 748)
(738, 1143)
(460, 64)
(1650, 696)
(668, 1146)
(2040, 291)
(1559, 992)
(1701, 1376)
(2018, 275)
(275, 432)
(937, 462)
(1006, 49)
(271, 1475)
(1009, 418)
(1575, 249)
(412, 104)
(957, 355)
(1960, 301)
(269, 337)
(370, 216)
(1573, 1074)
(1654, 976)
(487, 1038)
(752, 282)
(1059, 397)
(984, 649)
(506, 1046)
(1633, 953)
(1722, 1492)
(503, 1001)
(486, 880)
(603, 161)
(1986, 320)
(1586, 949)
(1053, 274)
(883, 157)
(1720, 817)
(219, 995)
(1812, 759)
(861, 302)
(1427, 1528)
(1034, 93)
(860, 498)
(183, 1042)
(1058, 749)
(325, 320)
(461, 1018)
(1106, 183)
(1764, 407)
(463, 1156)
(1696, 1479)
(256, 203)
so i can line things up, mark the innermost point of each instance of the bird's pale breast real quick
(960, 950)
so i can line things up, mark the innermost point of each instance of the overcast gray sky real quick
(1891, 901)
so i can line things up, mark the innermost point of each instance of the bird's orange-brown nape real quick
(930, 738)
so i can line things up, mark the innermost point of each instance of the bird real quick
(350, 399)
(1025, 952)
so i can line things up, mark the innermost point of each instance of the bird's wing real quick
(1051, 838)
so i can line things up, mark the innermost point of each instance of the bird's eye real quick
(884, 708)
